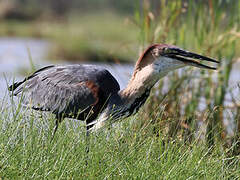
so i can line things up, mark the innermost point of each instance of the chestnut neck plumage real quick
(143, 78)
(131, 98)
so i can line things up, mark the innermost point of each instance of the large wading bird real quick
(90, 93)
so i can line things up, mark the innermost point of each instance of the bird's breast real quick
(138, 102)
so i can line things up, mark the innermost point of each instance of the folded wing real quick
(71, 90)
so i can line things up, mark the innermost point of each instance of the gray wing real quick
(66, 89)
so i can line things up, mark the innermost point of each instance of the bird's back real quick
(70, 90)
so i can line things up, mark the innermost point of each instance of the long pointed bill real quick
(190, 58)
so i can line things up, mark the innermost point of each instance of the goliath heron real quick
(91, 93)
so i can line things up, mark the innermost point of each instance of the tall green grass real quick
(123, 152)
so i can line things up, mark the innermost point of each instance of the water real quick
(14, 56)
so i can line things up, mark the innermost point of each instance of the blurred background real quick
(194, 104)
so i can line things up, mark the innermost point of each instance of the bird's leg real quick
(55, 128)
(87, 140)
(88, 127)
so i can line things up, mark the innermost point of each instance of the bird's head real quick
(163, 58)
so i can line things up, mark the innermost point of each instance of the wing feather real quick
(65, 89)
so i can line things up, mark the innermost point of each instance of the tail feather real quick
(17, 84)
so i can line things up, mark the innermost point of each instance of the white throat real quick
(164, 65)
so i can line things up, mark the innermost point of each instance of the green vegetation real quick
(105, 37)
(180, 132)
(97, 37)
(123, 152)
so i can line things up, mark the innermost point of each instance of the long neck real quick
(140, 83)
(135, 94)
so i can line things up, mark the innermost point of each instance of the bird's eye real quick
(155, 52)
